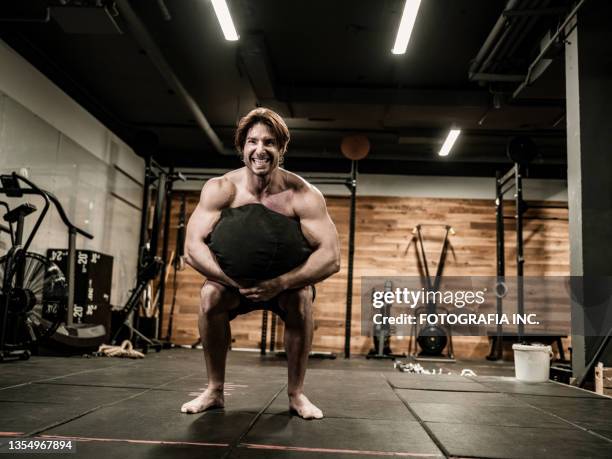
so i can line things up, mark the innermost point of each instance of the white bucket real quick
(532, 362)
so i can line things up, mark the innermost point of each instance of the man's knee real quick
(212, 298)
(297, 303)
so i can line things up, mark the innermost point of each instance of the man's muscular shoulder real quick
(306, 197)
(218, 193)
(295, 183)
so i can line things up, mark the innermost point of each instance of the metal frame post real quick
(162, 280)
(501, 263)
(264, 332)
(146, 189)
(520, 259)
(157, 212)
(351, 255)
(273, 333)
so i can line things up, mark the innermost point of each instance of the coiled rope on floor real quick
(125, 350)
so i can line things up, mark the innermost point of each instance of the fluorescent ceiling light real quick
(411, 9)
(225, 20)
(449, 142)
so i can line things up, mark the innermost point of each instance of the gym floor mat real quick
(125, 408)
(466, 440)
(390, 436)
(512, 416)
(415, 381)
(455, 398)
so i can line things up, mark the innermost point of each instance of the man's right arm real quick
(216, 194)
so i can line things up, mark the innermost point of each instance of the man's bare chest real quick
(279, 202)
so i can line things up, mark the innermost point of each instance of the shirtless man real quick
(261, 140)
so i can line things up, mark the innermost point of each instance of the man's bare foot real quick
(303, 407)
(207, 400)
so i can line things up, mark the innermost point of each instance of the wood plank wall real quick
(384, 247)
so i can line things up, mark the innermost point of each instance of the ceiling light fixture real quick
(411, 9)
(449, 142)
(225, 20)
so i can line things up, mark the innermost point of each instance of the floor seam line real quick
(91, 410)
(238, 442)
(428, 431)
(595, 434)
(57, 377)
(447, 390)
(95, 385)
(355, 452)
(30, 402)
(500, 425)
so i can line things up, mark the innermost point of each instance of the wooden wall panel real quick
(384, 247)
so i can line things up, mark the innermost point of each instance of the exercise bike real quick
(36, 298)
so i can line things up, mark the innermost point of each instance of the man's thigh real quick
(291, 301)
(218, 297)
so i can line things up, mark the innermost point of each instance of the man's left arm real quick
(322, 236)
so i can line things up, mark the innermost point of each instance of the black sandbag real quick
(252, 242)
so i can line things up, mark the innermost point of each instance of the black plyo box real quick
(92, 313)
(93, 274)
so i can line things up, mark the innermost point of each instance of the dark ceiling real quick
(160, 74)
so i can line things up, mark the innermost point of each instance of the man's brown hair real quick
(271, 119)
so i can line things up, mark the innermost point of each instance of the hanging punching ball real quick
(355, 147)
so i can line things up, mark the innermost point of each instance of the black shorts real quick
(247, 306)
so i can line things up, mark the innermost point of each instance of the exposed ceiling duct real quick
(533, 72)
(142, 36)
(508, 34)
(495, 37)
